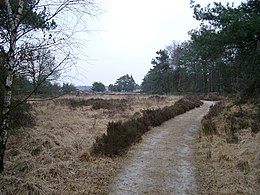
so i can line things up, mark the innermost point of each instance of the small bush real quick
(21, 116)
(120, 136)
(215, 110)
(157, 98)
(208, 126)
(98, 103)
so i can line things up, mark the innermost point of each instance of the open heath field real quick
(53, 157)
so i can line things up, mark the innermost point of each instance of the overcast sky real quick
(127, 35)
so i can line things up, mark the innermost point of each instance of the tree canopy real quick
(158, 79)
(125, 83)
(223, 55)
(98, 87)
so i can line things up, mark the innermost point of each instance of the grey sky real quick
(129, 32)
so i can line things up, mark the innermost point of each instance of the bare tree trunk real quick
(13, 22)
(6, 117)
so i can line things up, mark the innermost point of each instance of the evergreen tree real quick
(98, 87)
(125, 83)
(159, 78)
(233, 53)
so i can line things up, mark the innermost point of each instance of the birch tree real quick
(37, 22)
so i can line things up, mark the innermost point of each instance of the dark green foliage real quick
(98, 87)
(21, 115)
(212, 97)
(158, 79)
(31, 18)
(109, 104)
(125, 83)
(21, 87)
(233, 55)
(121, 135)
(218, 58)
(68, 88)
(48, 89)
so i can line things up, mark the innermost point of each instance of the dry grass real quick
(229, 161)
(54, 156)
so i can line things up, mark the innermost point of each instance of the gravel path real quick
(163, 162)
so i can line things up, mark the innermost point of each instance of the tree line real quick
(125, 83)
(222, 56)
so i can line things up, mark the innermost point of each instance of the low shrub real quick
(212, 97)
(208, 127)
(157, 98)
(21, 116)
(214, 110)
(121, 135)
(98, 103)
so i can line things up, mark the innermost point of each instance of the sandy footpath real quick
(163, 163)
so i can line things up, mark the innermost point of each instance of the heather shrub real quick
(208, 127)
(121, 135)
(21, 116)
(98, 103)
(215, 110)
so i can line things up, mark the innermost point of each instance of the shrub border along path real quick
(121, 135)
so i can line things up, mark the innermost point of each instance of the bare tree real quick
(39, 65)
(26, 23)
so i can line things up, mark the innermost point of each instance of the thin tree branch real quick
(41, 82)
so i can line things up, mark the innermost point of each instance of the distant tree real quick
(48, 89)
(67, 88)
(111, 87)
(125, 83)
(38, 66)
(22, 87)
(98, 87)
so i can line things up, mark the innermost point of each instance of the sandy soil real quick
(164, 162)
